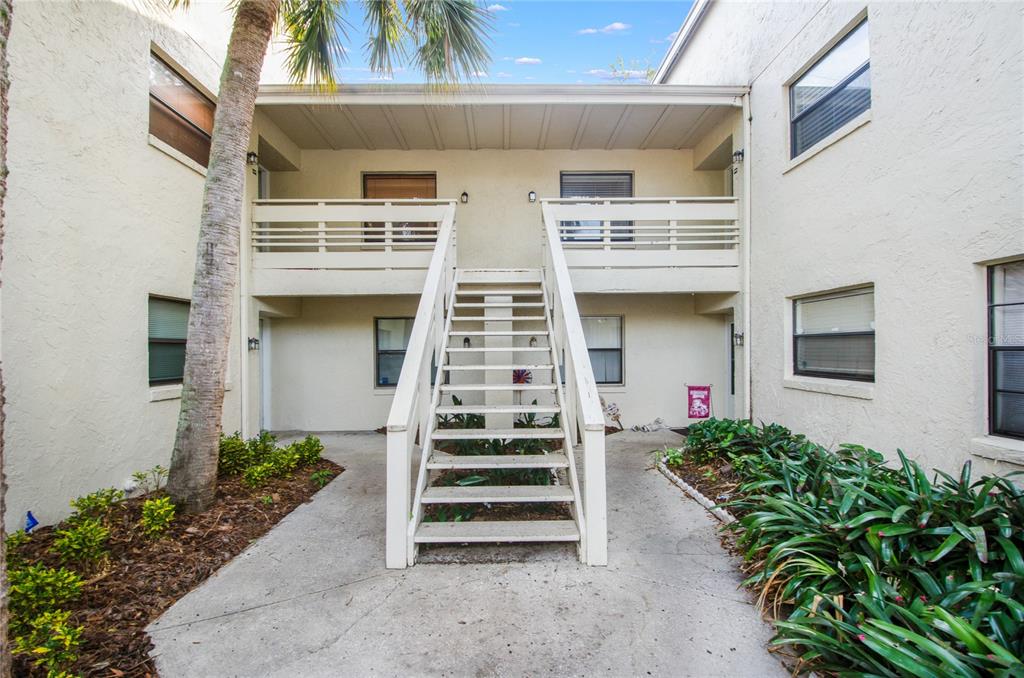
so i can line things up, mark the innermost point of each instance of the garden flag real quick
(699, 399)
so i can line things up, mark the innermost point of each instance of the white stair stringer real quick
(504, 293)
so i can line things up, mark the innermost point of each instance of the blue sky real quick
(537, 41)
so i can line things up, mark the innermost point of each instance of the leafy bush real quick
(151, 480)
(13, 543)
(96, 505)
(157, 515)
(258, 475)
(283, 460)
(259, 459)
(309, 450)
(878, 569)
(36, 589)
(51, 640)
(262, 445)
(322, 477)
(85, 542)
(235, 455)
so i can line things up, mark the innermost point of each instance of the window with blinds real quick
(604, 344)
(595, 185)
(168, 329)
(1006, 349)
(179, 114)
(834, 91)
(392, 340)
(398, 186)
(834, 335)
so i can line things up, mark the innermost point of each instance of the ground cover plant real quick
(83, 591)
(871, 568)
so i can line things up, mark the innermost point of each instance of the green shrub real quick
(13, 544)
(262, 446)
(283, 461)
(152, 480)
(309, 450)
(157, 515)
(258, 475)
(672, 456)
(878, 570)
(322, 477)
(51, 640)
(96, 505)
(234, 456)
(36, 589)
(85, 542)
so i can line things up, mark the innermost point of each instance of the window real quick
(834, 335)
(604, 344)
(596, 185)
(835, 90)
(179, 114)
(168, 328)
(422, 186)
(1006, 349)
(392, 340)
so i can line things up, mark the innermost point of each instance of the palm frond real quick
(452, 37)
(314, 30)
(387, 34)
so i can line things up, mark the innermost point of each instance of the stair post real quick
(398, 509)
(595, 500)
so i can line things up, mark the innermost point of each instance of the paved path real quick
(312, 597)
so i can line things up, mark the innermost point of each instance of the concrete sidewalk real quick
(312, 597)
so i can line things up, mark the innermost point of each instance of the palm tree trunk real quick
(6, 6)
(193, 476)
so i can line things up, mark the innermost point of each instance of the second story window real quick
(834, 91)
(179, 114)
(834, 335)
(596, 185)
(1006, 349)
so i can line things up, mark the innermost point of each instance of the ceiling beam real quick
(358, 128)
(619, 126)
(506, 127)
(581, 127)
(655, 128)
(685, 141)
(470, 127)
(389, 115)
(435, 129)
(545, 125)
(315, 124)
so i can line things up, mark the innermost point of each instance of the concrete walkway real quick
(312, 597)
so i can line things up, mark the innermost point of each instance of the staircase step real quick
(497, 531)
(477, 368)
(500, 304)
(518, 494)
(499, 292)
(447, 388)
(509, 349)
(499, 276)
(490, 318)
(498, 333)
(465, 462)
(498, 434)
(498, 409)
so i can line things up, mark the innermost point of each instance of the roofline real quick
(478, 94)
(686, 31)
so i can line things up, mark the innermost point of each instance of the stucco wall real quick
(322, 361)
(497, 183)
(915, 201)
(98, 219)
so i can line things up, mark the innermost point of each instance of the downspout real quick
(747, 338)
(244, 267)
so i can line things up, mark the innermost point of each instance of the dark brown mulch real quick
(715, 480)
(144, 577)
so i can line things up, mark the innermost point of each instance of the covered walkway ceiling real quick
(401, 117)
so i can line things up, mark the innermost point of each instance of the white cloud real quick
(480, 74)
(503, 74)
(497, 8)
(613, 27)
(668, 38)
(625, 74)
(528, 61)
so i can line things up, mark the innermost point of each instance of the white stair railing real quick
(582, 413)
(410, 418)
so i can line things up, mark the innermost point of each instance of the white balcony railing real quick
(346, 234)
(646, 232)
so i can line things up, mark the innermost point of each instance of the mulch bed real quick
(146, 576)
(715, 480)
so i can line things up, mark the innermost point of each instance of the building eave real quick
(682, 39)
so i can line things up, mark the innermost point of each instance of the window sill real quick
(611, 388)
(171, 392)
(1008, 450)
(171, 151)
(837, 387)
(388, 391)
(855, 124)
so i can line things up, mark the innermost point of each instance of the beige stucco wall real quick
(915, 201)
(497, 183)
(322, 360)
(97, 219)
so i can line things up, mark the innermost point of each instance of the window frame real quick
(835, 91)
(166, 381)
(179, 72)
(377, 351)
(621, 350)
(994, 349)
(795, 336)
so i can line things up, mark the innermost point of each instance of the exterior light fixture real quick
(737, 338)
(464, 198)
(254, 344)
(252, 158)
(533, 342)
(466, 343)
(737, 156)
(532, 196)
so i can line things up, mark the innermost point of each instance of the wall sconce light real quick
(254, 344)
(533, 342)
(737, 338)
(252, 158)
(464, 198)
(532, 196)
(737, 156)
(466, 343)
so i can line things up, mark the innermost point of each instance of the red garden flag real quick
(699, 399)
